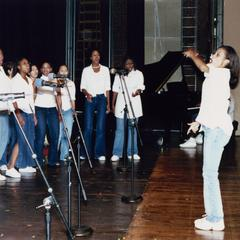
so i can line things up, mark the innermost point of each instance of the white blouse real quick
(45, 96)
(66, 100)
(215, 100)
(96, 83)
(19, 85)
(5, 88)
(134, 81)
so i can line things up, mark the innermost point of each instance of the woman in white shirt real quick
(95, 85)
(11, 153)
(68, 106)
(4, 119)
(48, 118)
(135, 85)
(221, 73)
(25, 112)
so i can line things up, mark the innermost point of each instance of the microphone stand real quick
(124, 168)
(50, 190)
(81, 230)
(47, 202)
(79, 128)
(133, 198)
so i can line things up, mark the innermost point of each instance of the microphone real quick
(123, 72)
(4, 97)
(41, 83)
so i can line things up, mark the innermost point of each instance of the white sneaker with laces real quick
(204, 224)
(3, 167)
(135, 157)
(27, 170)
(114, 158)
(2, 178)
(190, 143)
(102, 158)
(13, 173)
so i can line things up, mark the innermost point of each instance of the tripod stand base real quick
(132, 199)
(82, 231)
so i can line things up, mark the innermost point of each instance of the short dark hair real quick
(233, 65)
(129, 58)
(46, 62)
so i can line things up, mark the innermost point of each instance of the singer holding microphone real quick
(25, 112)
(47, 116)
(95, 85)
(135, 84)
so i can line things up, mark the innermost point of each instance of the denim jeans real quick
(98, 103)
(24, 155)
(12, 140)
(4, 134)
(63, 142)
(214, 142)
(47, 118)
(119, 139)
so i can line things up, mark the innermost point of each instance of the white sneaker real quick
(114, 158)
(102, 158)
(82, 158)
(13, 173)
(204, 224)
(199, 139)
(27, 170)
(2, 178)
(3, 167)
(32, 169)
(135, 157)
(190, 143)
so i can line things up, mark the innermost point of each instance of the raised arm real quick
(193, 54)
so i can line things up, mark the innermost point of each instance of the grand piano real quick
(165, 103)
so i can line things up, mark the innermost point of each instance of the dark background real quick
(34, 29)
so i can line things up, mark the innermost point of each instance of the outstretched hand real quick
(190, 53)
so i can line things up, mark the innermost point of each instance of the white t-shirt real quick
(134, 81)
(66, 100)
(19, 85)
(96, 83)
(215, 100)
(5, 88)
(45, 96)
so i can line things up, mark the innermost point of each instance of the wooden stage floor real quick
(172, 198)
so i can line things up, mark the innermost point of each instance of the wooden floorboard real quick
(173, 197)
(171, 182)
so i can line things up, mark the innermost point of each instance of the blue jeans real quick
(47, 118)
(11, 141)
(63, 142)
(4, 134)
(24, 155)
(98, 103)
(214, 142)
(119, 139)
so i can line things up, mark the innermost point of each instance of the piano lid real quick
(159, 73)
